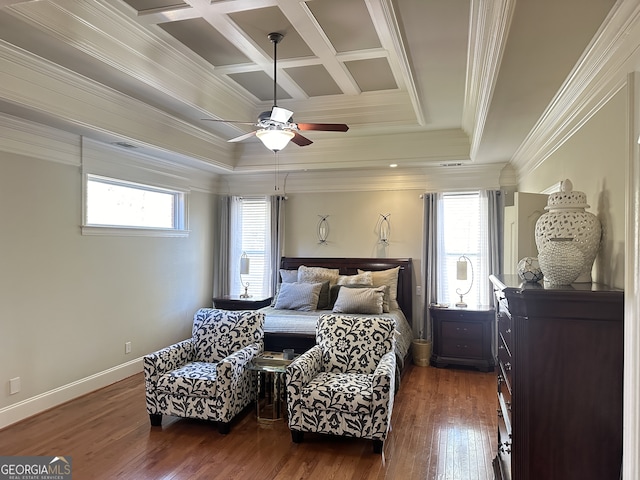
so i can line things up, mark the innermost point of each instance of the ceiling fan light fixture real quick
(275, 139)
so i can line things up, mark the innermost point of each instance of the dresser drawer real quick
(505, 329)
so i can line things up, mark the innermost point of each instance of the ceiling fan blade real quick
(300, 140)
(228, 121)
(243, 137)
(326, 127)
(281, 115)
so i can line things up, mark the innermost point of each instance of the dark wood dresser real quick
(463, 336)
(559, 377)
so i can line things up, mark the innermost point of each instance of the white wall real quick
(69, 302)
(595, 160)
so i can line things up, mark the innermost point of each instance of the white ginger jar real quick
(566, 218)
(561, 261)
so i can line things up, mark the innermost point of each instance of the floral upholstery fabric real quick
(206, 376)
(345, 384)
(353, 344)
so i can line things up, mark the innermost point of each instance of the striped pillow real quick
(359, 300)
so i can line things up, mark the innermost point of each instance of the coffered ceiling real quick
(419, 82)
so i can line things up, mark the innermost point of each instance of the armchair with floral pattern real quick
(206, 376)
(345, 384)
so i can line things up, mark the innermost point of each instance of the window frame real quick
(178, 218)
(238, 245)
(128, 168)
(448, 295)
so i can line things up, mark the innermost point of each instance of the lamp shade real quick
(461, 269)
(275, 140)
(244, 264)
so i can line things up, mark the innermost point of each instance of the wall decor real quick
(384, 229)
(323, 229)
(566, 218)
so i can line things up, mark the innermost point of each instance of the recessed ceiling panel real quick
(206, 41)
(346, 23)
(373, 74)
(142, 5)
(259, 23)
(314, 80)
(259, 84)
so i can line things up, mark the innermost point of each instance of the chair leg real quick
(224, 428)
(297, 436)
(156, 419)
(377, 446)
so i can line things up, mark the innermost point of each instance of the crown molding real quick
(599, 74)
(111, 35)
(437, 178)
(86, 106)
(33, 140)
(489, 29)
(335, 151)
(25, 138)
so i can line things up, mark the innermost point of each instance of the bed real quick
(287, 328)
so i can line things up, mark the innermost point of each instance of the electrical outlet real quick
(127, 347)
(14, 385)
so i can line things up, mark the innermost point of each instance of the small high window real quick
(127, 205)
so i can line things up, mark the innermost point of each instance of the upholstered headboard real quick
(350, 266)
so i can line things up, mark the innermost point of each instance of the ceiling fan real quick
(276, 126)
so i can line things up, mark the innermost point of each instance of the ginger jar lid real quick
(567, 197)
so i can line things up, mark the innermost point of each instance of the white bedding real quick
(304, 323)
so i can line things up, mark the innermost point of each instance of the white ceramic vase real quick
(561, 261)
(566, 218)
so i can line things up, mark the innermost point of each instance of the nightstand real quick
(235, 302)
(463, 336)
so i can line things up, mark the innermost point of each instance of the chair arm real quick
(165, 360)
(304, 368)
(233, 366)
(385, 373)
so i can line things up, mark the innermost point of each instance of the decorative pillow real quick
(360, 279)
(324, 299)
(288, 276)
(359, 300)
(298, 296)
(335, 289)
(317, 274)
(390, 278)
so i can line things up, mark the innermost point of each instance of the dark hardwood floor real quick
(444, 428)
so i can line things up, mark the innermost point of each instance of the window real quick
(250, 234)
(121, 204)
(463, 231)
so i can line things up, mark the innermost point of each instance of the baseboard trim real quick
(39, 403)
